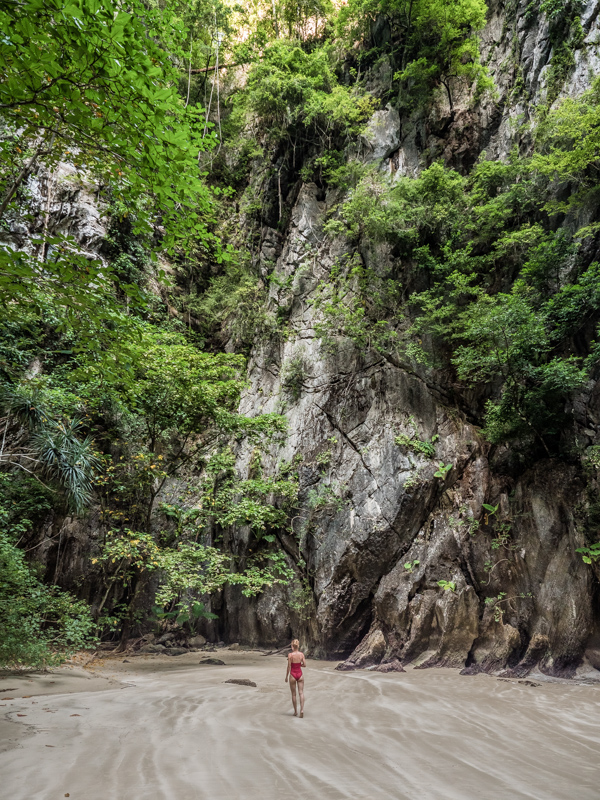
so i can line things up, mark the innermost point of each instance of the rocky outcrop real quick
(532, 64)
(61, 202)
(404, 561)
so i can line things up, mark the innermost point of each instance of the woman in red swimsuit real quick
(295, 663)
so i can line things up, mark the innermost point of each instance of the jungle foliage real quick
(104, 397)
(431, 42)
(116, 393)
(512, 296)
(39, 624)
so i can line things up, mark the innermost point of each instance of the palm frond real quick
(67, 459)
(25, 403)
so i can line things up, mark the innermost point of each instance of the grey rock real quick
(346, 666)
(369, 652)
(390, 666)
(176, 651)
(382, 135)
(241, 682)
(386, 507)
(197, 641)
(234, 646)
(214, 661)
(593, 656)
(152, 648)
(495, 644)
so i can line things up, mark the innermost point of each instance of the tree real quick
(291, 91)
(180, 406)
(432, 41)
(39, 624)
(184, 401)
(93, 84)
(37, 442)
(568, 150)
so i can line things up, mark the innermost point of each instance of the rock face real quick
(521, 50)
(405, 563)
(68, 204)
(394, 512)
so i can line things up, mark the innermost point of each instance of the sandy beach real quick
(160, 728)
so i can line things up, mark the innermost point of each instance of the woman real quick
(295, 663)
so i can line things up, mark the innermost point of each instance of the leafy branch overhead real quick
(95, 87)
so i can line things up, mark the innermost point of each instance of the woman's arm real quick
(287, 672)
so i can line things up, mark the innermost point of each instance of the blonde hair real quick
(295, 643)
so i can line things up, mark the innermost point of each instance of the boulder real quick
(391, 666)
(370, 651)
(152, 648)
(346, 666)
(176, 651)
(197, 641)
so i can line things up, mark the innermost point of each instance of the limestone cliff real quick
(377, 529)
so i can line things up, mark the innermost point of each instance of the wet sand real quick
(163, 728)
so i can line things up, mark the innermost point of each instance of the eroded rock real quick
(390, 666)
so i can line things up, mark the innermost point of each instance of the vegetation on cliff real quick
(122, 367)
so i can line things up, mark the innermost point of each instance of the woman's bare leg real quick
(301, 692)
(293, 690)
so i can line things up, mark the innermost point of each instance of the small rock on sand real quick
(176, 651)
(234, 646)
(197, 641)
(241, 682)
(216, 661)
(152, 648)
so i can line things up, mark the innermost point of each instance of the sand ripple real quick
(180, 733)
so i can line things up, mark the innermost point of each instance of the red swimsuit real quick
(296, 670)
